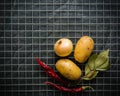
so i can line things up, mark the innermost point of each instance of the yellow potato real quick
(83, 49)
(68, 69)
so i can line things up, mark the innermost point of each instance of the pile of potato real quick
(64, 47)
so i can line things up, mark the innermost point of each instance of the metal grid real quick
(29, 27)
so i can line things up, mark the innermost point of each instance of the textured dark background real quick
(29, 27)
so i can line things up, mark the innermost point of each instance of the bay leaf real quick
(101, 59)
(104, 66)
(91, 61)
(91, 75)
(95, 64)
(87, 69)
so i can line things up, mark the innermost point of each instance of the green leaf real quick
(91, 61)
(104, 67)
(87, 69)
(102, 61)
(95, 64)
(91, 75)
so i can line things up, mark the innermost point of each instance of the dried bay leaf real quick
(102, 61)
(95, 64)
(90, 73)
(87, 69)
(91, 61)
(104, 67)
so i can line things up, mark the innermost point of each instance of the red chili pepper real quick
(50, 71)
(65, 89)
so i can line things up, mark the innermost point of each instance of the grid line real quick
(62, 3)
(31, 27)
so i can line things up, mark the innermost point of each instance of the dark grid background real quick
(29, 27)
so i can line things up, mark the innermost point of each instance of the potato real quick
(68, 69)
(63, 47)
(83, 49)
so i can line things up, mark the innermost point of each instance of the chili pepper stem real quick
(86, 87)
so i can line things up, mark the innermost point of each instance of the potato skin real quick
(68, 69)
(83, 49)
